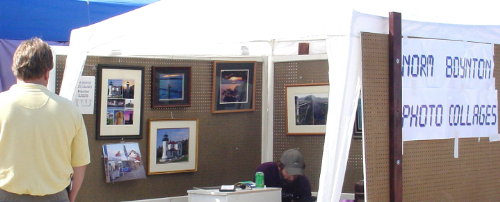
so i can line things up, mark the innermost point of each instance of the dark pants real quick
(61, 196)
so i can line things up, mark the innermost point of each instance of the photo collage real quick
(120, 102)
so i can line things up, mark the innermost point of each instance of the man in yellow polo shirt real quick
(43, 140)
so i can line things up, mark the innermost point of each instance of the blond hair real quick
(32, 59)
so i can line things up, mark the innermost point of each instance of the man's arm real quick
(78, 175)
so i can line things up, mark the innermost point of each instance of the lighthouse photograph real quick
(172, 145)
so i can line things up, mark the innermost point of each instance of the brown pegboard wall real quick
(311, 145)
(376, 115)
(228, 149)
(430, 172)
(354, 168)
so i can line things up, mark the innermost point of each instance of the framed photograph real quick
(123, 162)
(307, 108)
(173, 146)
(119, 102)
(233, 87)
(171, 87)
(358, 123)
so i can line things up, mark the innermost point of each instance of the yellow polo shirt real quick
(42, 136)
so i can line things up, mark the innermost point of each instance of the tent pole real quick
(395, 95)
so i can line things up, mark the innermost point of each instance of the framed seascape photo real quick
(119, 102)
(307, 108)
(173, 146)
(171, 87)
(123, 162)
(233, 87)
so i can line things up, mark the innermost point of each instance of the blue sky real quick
(174, 134)
(113, 148)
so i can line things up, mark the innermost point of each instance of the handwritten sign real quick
(448, 90)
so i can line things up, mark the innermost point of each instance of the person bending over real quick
(288, 173)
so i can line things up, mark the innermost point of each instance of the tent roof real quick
(211, 28)
(53, 20)
(226, 27)
(231, 28)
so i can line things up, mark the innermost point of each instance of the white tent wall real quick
(196, 28)
(168, 28)
(345, 84)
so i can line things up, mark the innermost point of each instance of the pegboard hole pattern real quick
(201, 97)
(430, 172)
(305, 72)
(221, 150)
(375, 59)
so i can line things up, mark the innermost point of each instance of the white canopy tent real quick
(266, 30)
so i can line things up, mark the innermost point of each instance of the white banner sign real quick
(431, 63)
(432, 113)
(448, 90)
(84, 94)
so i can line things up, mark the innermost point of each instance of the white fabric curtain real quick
(344, 62)
(74, 63)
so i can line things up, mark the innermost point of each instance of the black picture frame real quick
(120, 95)
(171, 87)
(358, 123)
(233, 86)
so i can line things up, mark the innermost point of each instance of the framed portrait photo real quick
(233, 87)
(173, 146)
(119, 102)
(307, 108)
(171, 87)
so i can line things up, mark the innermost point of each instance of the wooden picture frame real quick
(119, 102)
(171, 87)
(233, 87)
(307, 108)
(172, 146)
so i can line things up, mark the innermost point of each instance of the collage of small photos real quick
(120, 102)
